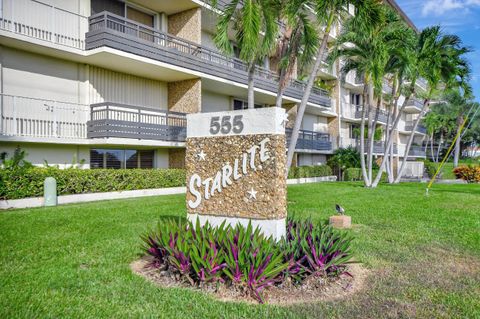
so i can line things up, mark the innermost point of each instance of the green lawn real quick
(73, 261)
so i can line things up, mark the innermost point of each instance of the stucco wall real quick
(32, 75)
(214, 102)
(106, 85)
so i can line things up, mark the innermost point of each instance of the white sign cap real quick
(270, 120)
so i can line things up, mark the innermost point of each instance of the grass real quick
(73, 261)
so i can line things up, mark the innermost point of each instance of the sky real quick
(460, 17)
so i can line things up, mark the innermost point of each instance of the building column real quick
(186, 25)
(185, 97)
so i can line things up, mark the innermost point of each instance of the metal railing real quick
(422, 83)
(382, 114)
(386, 87)
(417, 150)
(127, 121)
(43, 21)
(378, 146)
(152, 39)
(26, 116)
(420, 128)
(415, 103)
(310, 140)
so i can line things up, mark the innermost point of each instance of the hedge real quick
(355, 174)
(310, 171)
(21, 183)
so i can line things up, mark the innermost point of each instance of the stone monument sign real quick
(235, 165)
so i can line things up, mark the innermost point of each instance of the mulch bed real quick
(313, 289)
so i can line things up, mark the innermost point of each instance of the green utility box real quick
(50, 191)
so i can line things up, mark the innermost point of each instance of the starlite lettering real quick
(228, 174)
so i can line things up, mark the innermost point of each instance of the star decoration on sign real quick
(201, 155)
(284, 120)
(252, 193)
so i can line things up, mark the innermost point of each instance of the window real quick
(115, 159)
(243, 105)
(113, 6)
(355, 99)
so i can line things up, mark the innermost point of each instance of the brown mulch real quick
(313, 289)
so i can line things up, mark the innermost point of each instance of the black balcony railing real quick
(378, 146)
(310, 140)
(420, 128)
(382, 114)
(107, 29)
(416, 150)
(128, 121)
(415, 103)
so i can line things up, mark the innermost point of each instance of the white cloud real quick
(440, 7)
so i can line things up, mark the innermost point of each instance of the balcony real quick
(420, 128)
(413, 106)
(422, 84)
(386, 87)
(63, 121)
(311, 141)
(38, 20)
(31, 117)
(417, 151)
(378, 146)
(326, 71)
(109, 30)
(353, 81)
(354, 112)
(127, 121)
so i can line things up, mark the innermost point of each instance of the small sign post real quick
(235, 165)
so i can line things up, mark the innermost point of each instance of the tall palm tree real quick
(298, 43)
(439, 60)
(367, 55)
(327, 12)
(255, 27)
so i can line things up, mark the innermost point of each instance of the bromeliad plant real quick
(243, 257)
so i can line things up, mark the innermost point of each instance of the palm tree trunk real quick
(438, 148)
(251, 93)
(431, 147)
(371, 141)
(456, 156)
(390, 141)
(362, 135)
(410, 140)
(306, 94)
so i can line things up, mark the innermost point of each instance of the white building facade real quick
(108, 84)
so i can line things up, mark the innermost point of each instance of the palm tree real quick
(327, 12)
(298, 43)
(367, 56)
(454, 110)
(255, 26)
(440, 60)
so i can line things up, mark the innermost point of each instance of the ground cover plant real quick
(243, 257)
(422, 254)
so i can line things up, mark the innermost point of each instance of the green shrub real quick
(352, 174)
(21, 183)
(431, 168)
(355, 174)
(309, 171)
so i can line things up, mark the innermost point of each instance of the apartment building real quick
(108, 83)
